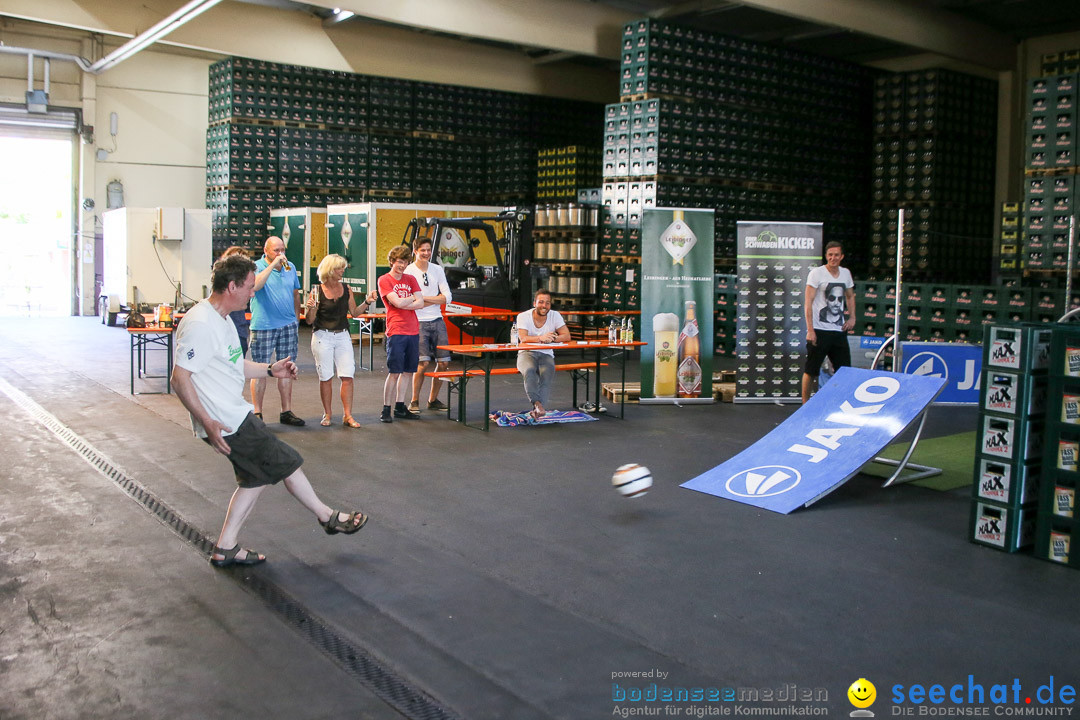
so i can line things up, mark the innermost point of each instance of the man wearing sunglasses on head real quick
(436, 294)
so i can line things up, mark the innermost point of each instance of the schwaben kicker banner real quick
(823, 444)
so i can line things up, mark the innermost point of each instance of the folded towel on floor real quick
(503, 418)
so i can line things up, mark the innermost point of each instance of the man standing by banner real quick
(829, 288)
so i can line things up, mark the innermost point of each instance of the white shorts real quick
(333, 350)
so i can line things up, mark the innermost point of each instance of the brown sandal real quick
(335, 525)
(349, 421)
(229, 557)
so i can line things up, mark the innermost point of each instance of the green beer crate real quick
(1008, 484)
(1056, 538)
(1010, 440)
(1013, 394)
(1010, 529)
(1024, 347)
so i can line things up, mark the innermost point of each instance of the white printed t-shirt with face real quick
(436, 285)
(828, 288)
(208, 347)
(552, 323)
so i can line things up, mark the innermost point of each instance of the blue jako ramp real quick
(819, 448)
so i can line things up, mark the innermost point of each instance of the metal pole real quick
(1069, 264)
(897, 354)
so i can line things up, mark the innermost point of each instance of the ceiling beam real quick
(571, 26)
(916, 26)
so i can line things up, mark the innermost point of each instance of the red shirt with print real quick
(398, 321)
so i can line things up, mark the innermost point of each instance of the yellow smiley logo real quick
(862, 693)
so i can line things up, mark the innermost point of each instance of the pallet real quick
(724, 376)
(574, 267)
(276, 122)
(1051, 171)
(239, 188)
(375, 192)
(654, 96)
(613, 392)
(428, 135)
(724, 392)
(625, 259)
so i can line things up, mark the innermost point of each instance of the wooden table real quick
(482, 357)
(151, 337)
(367, 328)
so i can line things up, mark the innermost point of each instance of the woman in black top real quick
(328, 308)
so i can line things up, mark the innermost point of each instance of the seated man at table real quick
(539, 325)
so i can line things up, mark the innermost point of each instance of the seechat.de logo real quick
(763, 481)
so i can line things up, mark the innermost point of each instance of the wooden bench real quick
(456, 379)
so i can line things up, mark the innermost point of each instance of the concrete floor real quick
(500, 575)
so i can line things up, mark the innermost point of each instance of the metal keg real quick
(592, 214)
(577, 249)
(562, 246)
(542, 250)
(562, 215)
(543, 216)
(592, 250)
(592, 285)
(575, 214)
(561, 283)
(577, 284)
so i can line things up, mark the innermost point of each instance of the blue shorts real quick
(283, 342)
(402, 353)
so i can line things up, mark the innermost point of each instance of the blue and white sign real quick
(959, 364)
(822, 445)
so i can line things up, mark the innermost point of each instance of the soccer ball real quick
(632, 480)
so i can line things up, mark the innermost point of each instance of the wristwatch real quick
(270, 370)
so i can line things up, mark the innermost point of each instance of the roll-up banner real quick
(774, 259)
(677, 303)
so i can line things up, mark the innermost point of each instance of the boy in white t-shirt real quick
(537, 367)
(829, 288)
(209, 371)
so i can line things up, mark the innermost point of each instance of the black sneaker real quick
(436, 405)
(402, 412)
(385, 417)
(288, 418)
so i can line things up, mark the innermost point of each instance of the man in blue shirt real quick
(275, 310)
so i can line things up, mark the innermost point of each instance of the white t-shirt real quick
(436, 285)
(207, 345)
(829, 288)
(552, 323)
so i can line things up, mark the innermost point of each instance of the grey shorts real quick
(258, 457)
(432, 335)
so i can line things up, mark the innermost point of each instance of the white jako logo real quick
(763, 481)
(928, 364)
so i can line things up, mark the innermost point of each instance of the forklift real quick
(508, 284)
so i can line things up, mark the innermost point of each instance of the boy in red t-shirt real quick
(402, 296)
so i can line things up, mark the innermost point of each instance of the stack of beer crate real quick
(1057, 525)
(1009, 447)
(1049, 167)
(1009, 241)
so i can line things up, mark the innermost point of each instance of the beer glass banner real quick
(774, 259)
(347, 236)
(676, 286)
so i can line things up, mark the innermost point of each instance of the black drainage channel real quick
(372, 674)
